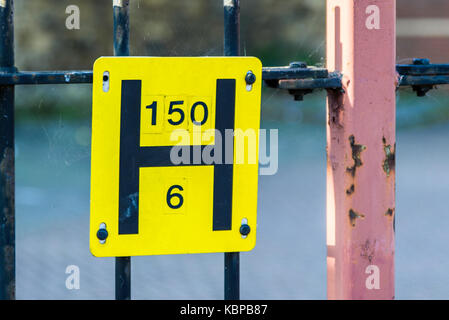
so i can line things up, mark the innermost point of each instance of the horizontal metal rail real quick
(278, 73)
(423, 69)
(45, 77)
(288, 78)
(423, 80)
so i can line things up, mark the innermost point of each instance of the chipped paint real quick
(389, 163)
(394, 223)
(353, 216)
(368, 250)
(351, 190)
(335, 107)
(357, 149)
(389, 212)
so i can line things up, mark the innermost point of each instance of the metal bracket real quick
(423, 76)
(299, 79)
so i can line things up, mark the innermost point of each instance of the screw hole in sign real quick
(106, 81)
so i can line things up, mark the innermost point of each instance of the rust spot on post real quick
(353, 216)
(351, 190)
(368, 250)
(389, 212)
(390, 158)
(356, 152)
(335, 107)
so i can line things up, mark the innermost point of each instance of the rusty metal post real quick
(361, 149)
(7, 211)
(121, 48)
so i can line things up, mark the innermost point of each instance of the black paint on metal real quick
(129, 150)
(232, 275)
(224, 172)
(232, 48)
(284, 73)
(232, 27)
(7, 177)
(423, 76)
(45, 77)
(159, 156)
(133, 156)
(121, 48)
(121, 29)
(301, 78)
(423, 80)
(102, 234)
(318, 83)
(422, 67)
(250, 78)
(245, 229)
(123, 278)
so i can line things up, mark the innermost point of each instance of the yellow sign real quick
(174, 155)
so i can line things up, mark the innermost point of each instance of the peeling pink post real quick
(361, 45)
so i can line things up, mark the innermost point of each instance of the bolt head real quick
(250, 77)
(421, 61)
(245, 229)
(298, 64)
(102, 234)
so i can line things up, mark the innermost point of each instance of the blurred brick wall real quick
(423, 30)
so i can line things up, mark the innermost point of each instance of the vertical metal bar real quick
(232, 48)
(123, 278)
(121, 27)
(231, 27)
(361, 149)
(7, 177)
(121, 48)
(232, 275)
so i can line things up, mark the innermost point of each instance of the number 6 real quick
(177, 195)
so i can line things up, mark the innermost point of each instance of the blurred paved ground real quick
(289, 260)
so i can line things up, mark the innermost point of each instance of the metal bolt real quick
(250, 77)
(421, 61)
(298, 64)
(102, 234)
(245, 229)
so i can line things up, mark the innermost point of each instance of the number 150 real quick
(177, 114)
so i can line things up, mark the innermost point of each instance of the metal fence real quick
(298, 79)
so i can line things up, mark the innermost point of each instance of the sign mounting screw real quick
(245, 229)
(250, 78)
(102, 233)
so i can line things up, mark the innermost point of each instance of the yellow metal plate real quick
(148, 203)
